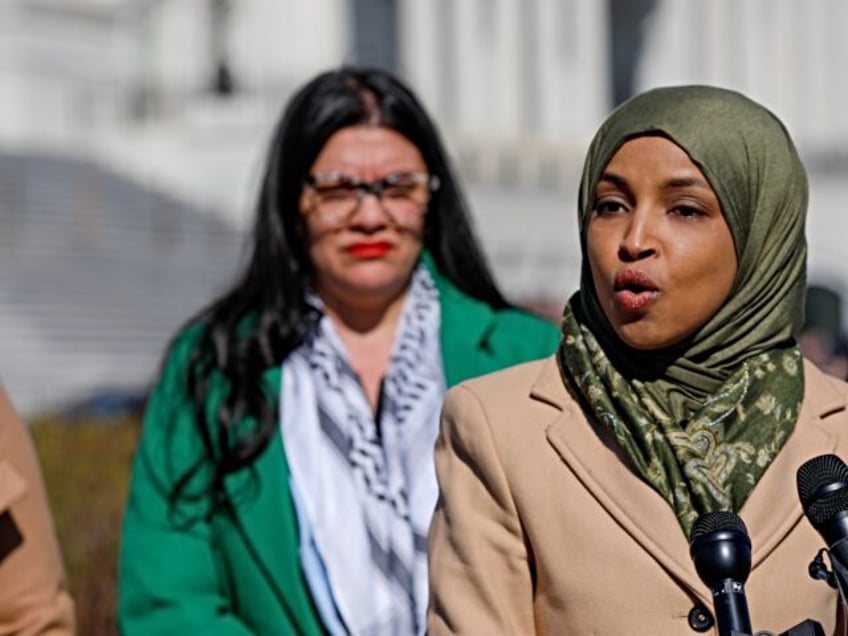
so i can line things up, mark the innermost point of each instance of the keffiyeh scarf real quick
(366, 489)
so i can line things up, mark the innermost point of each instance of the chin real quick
(378, 286)
(642, 341)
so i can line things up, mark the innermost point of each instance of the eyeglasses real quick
(402, 195)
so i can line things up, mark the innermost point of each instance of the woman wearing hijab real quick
(569, 487)
(284, 482)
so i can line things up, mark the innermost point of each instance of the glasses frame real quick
(376, 188)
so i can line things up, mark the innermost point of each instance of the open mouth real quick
(634, 290)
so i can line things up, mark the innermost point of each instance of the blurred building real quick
(171, 102)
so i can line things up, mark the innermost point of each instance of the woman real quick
(569, 487)
(284, 480)
(34, 598)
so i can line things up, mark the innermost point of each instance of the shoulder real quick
(519, 321)
(825, 396)
(169, 399)
(170, 424)
(518, 379)
(459, 310)
(12, 432)
(18, 469)
(510, 398)
(516, 333)
(821, 388)
(180, 349)
(33, 590)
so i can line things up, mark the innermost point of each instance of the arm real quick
(169, 573)
(480, 574)
(34, 599)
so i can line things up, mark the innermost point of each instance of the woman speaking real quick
(569, 487)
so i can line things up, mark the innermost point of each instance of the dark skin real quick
(661, 253)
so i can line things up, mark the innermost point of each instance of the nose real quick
(639, 238)
(370, 212)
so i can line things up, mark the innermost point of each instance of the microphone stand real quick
(808, 627)
(837, 575)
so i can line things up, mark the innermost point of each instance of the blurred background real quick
(132, 134)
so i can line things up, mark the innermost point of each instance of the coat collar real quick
(770, 512)
(465, 324)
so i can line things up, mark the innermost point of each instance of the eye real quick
(608, 207)
(402, 186)
(335, 187)
(332, 193)
(688, 211)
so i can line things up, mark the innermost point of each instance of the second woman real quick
(284, 481)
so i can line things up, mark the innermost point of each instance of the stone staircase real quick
(96, 273)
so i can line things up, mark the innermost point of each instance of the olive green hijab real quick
(701, 421)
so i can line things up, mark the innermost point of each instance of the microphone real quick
(823, 490)
(721, 550)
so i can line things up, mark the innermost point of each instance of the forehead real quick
(652, 155)
(366, 148)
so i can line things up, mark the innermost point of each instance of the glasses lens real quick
(336, 196)
(403, 196)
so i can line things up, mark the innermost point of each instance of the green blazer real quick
(235, 570)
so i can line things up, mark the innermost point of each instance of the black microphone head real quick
(823, 488)
(717, 521)
(720, 548)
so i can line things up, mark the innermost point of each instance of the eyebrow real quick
(614, 179)
(675, 182)
(686, 182)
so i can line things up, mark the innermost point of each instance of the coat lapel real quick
(465, 324)
(770, 512)
(634, 505)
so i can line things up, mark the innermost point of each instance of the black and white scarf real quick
(367, 489)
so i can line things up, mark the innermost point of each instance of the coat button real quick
(700, 618)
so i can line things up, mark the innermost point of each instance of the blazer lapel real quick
(595, 459)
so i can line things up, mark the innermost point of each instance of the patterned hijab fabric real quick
(701, 421)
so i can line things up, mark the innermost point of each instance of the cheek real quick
(705, 275)
(319, 247)
(711, 260)
(597, 255)
(313, 232)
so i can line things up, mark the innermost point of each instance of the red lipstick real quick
(634, 290)
(368, 250)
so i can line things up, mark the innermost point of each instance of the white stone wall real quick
(517, 87)
(789, 55)
(512, 83)
(65, 69)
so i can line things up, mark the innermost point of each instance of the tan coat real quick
(34, 599)
(542, 529)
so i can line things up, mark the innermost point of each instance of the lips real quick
(634, 290)
(368, 250)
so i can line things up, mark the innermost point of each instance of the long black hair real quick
(264, 316)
